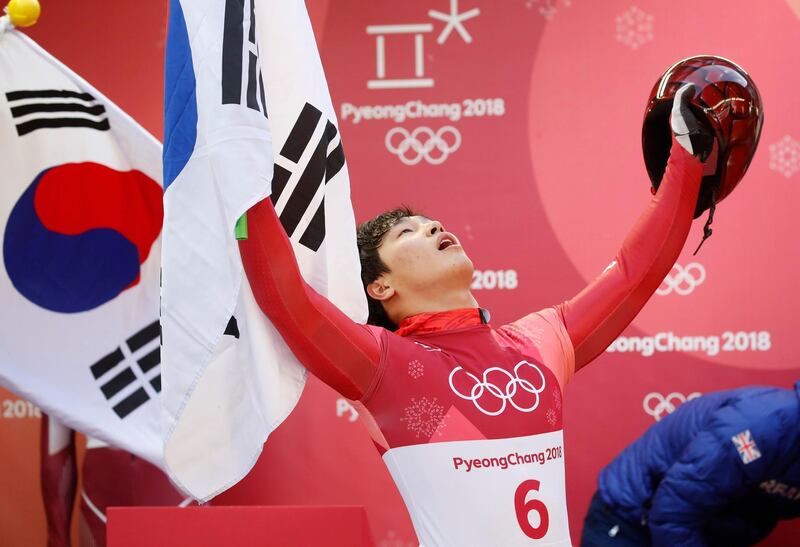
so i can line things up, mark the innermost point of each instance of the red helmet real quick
(727, 102)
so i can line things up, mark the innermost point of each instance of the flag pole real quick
(20, 13)
(240, 230)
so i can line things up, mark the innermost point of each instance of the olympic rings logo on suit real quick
(658, 406)
(423, 143)
(506, 395)
(682, 280)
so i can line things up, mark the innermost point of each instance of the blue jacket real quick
(686, 476)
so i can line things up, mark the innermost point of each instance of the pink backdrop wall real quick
(540, 174)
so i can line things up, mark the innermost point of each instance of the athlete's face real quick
(423, 258)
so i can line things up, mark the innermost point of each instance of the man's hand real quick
(689, 132)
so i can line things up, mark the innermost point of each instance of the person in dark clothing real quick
(723, 469)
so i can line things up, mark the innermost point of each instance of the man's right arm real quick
(340, 352)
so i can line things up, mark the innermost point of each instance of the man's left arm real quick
(601, 311)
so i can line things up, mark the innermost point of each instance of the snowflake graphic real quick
(551, 417)
(547, 8)
(557, 398)
(634, 28)
(784, 156)
(425, 417)
(415, 369)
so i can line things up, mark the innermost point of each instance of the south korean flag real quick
(248, 118)
(80, 227)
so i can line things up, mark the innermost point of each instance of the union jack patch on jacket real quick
(746, 446)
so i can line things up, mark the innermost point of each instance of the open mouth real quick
(446, 242)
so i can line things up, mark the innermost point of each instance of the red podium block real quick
(241, 526)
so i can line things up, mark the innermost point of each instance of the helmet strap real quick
(707, 231)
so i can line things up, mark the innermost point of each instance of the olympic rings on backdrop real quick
(505, 395)
(682, 280)
(423, 143)
(664, 406)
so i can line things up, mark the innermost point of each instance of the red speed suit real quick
(110, 477)
(468, 417)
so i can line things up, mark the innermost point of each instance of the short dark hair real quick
(370, 238)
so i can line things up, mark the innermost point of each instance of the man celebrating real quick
(469, 418)
(720, 470)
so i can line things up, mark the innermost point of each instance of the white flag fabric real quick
(80, 224)
(241, 100)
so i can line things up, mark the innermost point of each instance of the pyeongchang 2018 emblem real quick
(499, 388)
(79, 234)
(402, 50)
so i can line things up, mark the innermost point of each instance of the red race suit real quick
(110, 477)
(469, 417)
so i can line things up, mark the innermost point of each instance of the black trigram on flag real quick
(232, 328)
(54, 108)
(240, 71)
(321, 166)
(130, 375)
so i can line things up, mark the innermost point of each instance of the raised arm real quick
(58, 472)
(601, 311)
(338, 351)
